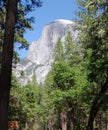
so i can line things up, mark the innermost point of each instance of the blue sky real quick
(50, 11)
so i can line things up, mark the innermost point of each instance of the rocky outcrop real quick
(40, 53)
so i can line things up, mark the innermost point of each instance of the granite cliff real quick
(39, 58)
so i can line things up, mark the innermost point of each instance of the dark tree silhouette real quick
(6, 63)
(15, 25)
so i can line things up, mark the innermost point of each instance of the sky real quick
(50, 11)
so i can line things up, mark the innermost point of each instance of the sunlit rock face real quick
(40, 53)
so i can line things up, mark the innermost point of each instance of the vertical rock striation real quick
(41, 51)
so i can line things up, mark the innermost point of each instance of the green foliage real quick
(94, 38)
(58, 51)
(14, 21)
(76, 78)
(67, 88)
(24, 102)
(22, 73)
(72, 51)
(94, 20)
(66, 83)
(23, 22)
(63, 76)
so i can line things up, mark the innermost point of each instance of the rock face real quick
(40, 53)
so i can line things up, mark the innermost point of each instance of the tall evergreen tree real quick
(6, 63)
(67, 84)
(94, 20)
(58, 51)
(71, 51)
(15, 22)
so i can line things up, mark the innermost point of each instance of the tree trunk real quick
(64, 120)
(6, 64)
(58, 121)
(69, 114)
(97, 103)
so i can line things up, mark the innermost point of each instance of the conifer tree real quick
(16, 23)
(94, 20)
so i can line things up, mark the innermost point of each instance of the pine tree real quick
(58, 51)
(94, 21)
(15, 22)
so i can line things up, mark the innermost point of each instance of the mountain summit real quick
(39, 58)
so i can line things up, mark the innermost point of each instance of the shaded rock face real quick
(40, 57)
